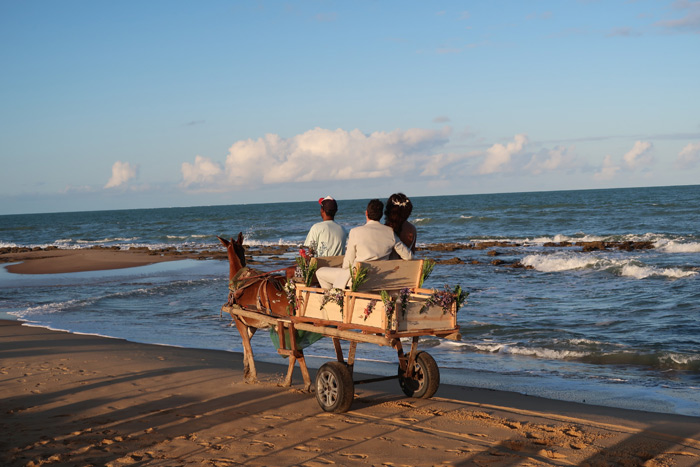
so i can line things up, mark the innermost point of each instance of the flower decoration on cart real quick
(389, 303)
(290, 290)
(403, 299)
(358, 276)
(428, 266)
(336, 296)
(445, 299)
(306, 265)
(369, 309)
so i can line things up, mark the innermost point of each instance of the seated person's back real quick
(370, 242)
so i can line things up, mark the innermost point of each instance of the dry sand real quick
(69, 399)
(78, 400)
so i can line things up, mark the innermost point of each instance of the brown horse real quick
(256, 291)
(251, 289)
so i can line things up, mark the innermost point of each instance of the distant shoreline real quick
(53, 260)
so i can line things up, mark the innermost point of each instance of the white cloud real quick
(316, 155)
(689, 157)
(499, 157)
(608, 170)
(639, 155)
(550, 160)
(122, 172)
(203, 172)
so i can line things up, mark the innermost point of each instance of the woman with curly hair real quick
(398, 209)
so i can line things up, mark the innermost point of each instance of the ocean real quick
(613, 326)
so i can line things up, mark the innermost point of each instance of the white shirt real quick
(329, 238)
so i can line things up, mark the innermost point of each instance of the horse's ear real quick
(225, 242)
(240, 238)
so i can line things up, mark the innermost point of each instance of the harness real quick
(246, 278)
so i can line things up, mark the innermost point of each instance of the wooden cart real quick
(363, 317)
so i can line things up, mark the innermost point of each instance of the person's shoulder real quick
(408, 227)
(379, 228)
(338, 226)
(359, 229)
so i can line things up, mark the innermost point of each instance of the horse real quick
(257, 291)
(253, 289)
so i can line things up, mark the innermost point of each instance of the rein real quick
(264, 274)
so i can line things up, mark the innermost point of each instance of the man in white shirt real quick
(370, 242)
(327, 237)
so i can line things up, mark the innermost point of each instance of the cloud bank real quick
(323, 155)
(317, 154)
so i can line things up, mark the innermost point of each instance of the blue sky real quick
(131, 104)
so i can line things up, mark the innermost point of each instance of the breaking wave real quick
(657, 360)
(672, 246)
(561, 262)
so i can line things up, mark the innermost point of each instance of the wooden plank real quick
(391, 274)
(326, 331)
(330, 261)
(347, 335)
(330, 312)
(376, 319)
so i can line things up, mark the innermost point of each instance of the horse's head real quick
(236, 252)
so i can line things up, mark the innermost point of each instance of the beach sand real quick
(80, 400)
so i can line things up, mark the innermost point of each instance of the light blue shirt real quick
(329, 238)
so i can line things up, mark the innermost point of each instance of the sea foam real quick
(673, 246)
(626, 267)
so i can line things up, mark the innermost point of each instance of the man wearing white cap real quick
(327, 236)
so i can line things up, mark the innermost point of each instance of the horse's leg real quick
(249, 372)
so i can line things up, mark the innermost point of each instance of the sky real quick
(144, 104)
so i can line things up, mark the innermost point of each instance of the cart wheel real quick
(425, 380)
(335, 389)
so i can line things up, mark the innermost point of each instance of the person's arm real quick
(408, 236)
(401, 248)
(350, 251)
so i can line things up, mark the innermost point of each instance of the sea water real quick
(611, 327)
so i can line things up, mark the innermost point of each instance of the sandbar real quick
(53, 261)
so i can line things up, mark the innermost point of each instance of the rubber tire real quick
(335, 389)
(425, 380)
